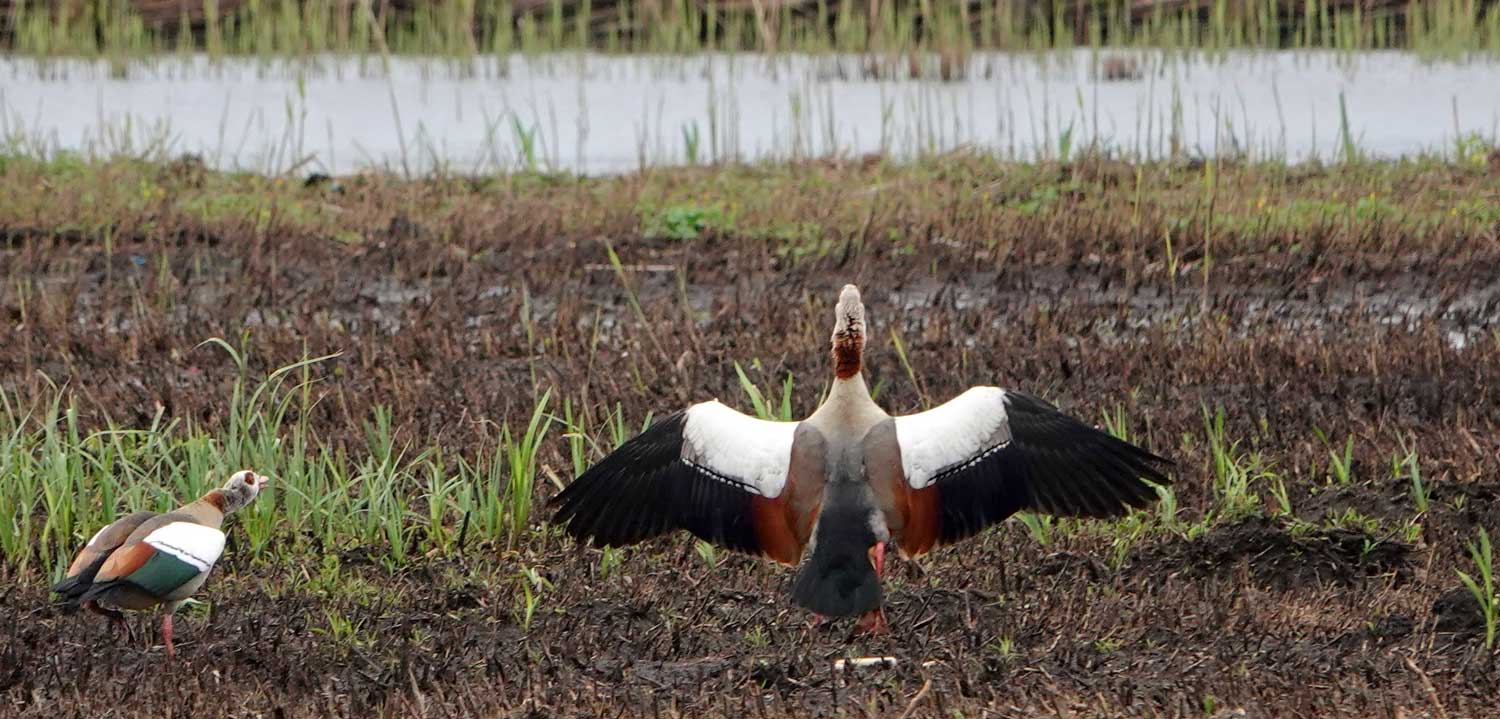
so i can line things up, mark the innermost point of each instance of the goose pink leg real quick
(166, 635)
(873, 621)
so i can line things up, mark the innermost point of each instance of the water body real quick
(598, 114)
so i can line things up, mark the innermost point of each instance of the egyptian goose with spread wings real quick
(850, 478)
(144, 560)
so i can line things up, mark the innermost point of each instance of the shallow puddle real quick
(603, 114)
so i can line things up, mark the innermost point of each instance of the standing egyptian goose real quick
(850, 478)
(146, 559)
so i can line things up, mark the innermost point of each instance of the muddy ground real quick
(1259, 615)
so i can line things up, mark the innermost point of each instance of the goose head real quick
(242, 488)
(848, 333)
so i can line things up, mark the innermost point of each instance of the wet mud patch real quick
(1468, 503)
(1458, 611)
(1282, 555)
(664, 675)
(1388, 501)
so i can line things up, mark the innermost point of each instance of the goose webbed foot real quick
(873, 622)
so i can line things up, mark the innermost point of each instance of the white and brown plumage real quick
(850, 478)
(146, 559)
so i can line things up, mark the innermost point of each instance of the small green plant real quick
(442, 488)
(526, 144)
(787, 387)
(1126, 534)
(521, 453)
(1117, 424)
(707, 553)
(1483, 588)
(1234, 472)
(1039, 199)
(911, 374)
(1166, 506)
(1065, 144)
(577, 436)
(1340, 465)
(757, 400)
(757, 638)
(1005, 648)
(328, 579)
(1171, 256)
(1040, 526)
(1347, 146)
(1471, 148)
(610, 559)
(1408, 463)
(683, 223)
(690, 143)
(782, 412)
(343, 630)
(619, 432)
(1299, 528)
(1283, 499)
(1353, 520)
(533, 584)
(1411, 532)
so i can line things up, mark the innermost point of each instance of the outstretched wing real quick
(990, 453)
(167, 559)
(710, 470)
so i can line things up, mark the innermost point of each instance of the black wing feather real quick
(1053, 463)
(645, 489)
(73, 588)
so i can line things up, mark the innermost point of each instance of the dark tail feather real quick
(73, 588)
(838, 581)
(69, 592)
(95, 591)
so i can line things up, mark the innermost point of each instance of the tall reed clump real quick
(258, 435)
(909, 32)
(389, 495)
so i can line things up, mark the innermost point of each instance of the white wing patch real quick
(754, 451)
(951, 433)
(195, 544)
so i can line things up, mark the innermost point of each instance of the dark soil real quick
(1279, 559)
(449, 318)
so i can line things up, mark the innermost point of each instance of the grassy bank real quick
(1152, 213)
(421, 364)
